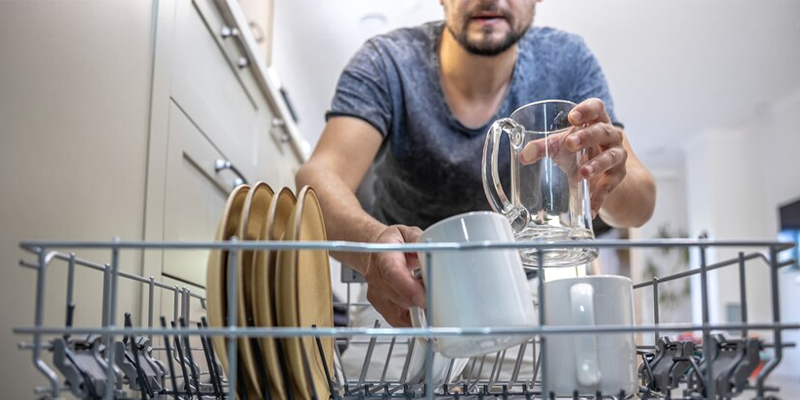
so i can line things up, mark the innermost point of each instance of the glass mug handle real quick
(490, 173)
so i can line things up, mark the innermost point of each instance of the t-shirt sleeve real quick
(363, 90)
(589, 80)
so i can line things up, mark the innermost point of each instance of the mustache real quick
(490, 8)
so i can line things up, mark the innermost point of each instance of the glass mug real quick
(549, 199)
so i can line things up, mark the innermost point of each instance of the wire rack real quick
(122, 362)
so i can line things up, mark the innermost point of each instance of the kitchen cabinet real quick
(259, 14)
(212, 103)
(194, 197)
(213, 83)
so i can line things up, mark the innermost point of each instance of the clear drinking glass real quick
(549, 199)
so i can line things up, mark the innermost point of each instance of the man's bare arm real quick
(340, 160)
(342, 157)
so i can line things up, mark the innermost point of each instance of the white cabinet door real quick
(213, 84)
(195, 196)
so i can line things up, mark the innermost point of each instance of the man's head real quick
(488, 27)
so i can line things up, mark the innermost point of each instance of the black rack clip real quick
(83, 364)
(133, 355)
(663, 370)
(141, 371)
(732, 363)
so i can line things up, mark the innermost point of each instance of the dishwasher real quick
(167, 357)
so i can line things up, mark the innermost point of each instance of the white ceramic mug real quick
(475, 288)
(588, 363)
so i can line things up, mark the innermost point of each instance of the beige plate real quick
(304, 296)
(216, 278)
(280, 209)
(253, 223)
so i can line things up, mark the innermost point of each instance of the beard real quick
(485, 46)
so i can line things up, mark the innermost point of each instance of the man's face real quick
(488, 27)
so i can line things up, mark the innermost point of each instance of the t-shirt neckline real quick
(504, 105)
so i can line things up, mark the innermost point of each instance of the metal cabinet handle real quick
(227, 32)
(220, 165)
(279, 123)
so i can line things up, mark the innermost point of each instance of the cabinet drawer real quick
(195, 196)
(208, 84)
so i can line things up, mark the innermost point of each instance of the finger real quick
(394, 270)
(393, 314)
(604, 186)
(379, 293)
(412, 261)
(532, 152)
(589, 111)
(398, 318)
(604, 161)
(605, 135)
(392, 295)
(403, 319)
(410, 234)
(380, 286)
(538, 149)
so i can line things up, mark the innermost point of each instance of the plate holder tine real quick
(195, 372)
(168, 348)
(288, 380)
(325, 365)
(368, 357)
(307, 369)
(212, 369)
(186, 384)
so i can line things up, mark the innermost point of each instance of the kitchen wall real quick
(74, 106)
(737, 177)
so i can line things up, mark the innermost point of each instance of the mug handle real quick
(581, 296)
(419, 319)
(490, 172)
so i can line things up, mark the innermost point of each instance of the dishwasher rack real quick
(128, 370)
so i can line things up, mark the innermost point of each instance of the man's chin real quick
(488, 47)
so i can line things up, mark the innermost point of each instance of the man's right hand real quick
(392, 288)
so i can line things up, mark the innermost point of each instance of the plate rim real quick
(266, 316)
(288, 303)
(217, 268)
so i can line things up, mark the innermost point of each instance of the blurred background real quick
(113, 113)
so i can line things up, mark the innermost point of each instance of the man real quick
(417, 102)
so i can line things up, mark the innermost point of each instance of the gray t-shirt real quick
(428, 167)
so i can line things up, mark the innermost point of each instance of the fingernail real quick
(419, 300)
(528, 154)
(589, 170)
(574, 140)
(576, 116)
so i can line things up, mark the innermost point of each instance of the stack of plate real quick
(287, 288)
